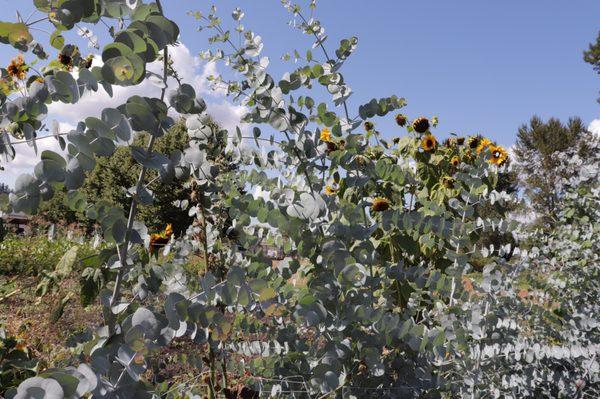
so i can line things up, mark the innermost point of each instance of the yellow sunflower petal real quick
(326, 135)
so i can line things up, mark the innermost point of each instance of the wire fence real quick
(289, 387)
(297, 387)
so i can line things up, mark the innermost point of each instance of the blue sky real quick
(480, 66)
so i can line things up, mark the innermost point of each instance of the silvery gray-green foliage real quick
(534, 323)
(119, 351)
(376, 283)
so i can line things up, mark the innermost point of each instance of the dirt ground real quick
(24, 315)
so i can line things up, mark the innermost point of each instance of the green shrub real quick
(31, 255)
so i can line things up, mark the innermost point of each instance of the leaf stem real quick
(37, 20)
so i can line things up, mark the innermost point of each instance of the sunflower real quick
(474, 142)
(331, 147)
(6, 86)
(429, 143)
(88, 61)
(17, 68)
(70, 57)
(369, 126)
(421, 125)
(450, 142)
(330, 190)
(326, 135)
(499, 155)
(460, 140)
(380, 204)
(448, 182)
(160, 239)
(401, 120)
(455, 161)
(483, 145)
(66, 61)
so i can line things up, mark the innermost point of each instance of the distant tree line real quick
(4, 188)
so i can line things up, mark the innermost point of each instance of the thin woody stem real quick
(122, 252)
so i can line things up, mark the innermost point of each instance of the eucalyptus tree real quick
(537, 326)
(386, 249)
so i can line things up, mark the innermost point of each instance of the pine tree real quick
(592, 56)
(538, 166)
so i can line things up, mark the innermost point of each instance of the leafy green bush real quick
(32, 255)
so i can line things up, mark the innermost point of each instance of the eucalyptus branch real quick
(205, 230)
(478, 361)
(31, 14)
(122, 253)
(262, 139)
(152, 181)
(296, 152)
(41, 30)
(38, 138)
(328, 60)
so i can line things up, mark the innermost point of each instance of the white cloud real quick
(594, 127)
(26, 157)
(190, 69)
(227, 115)
(201, 81)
